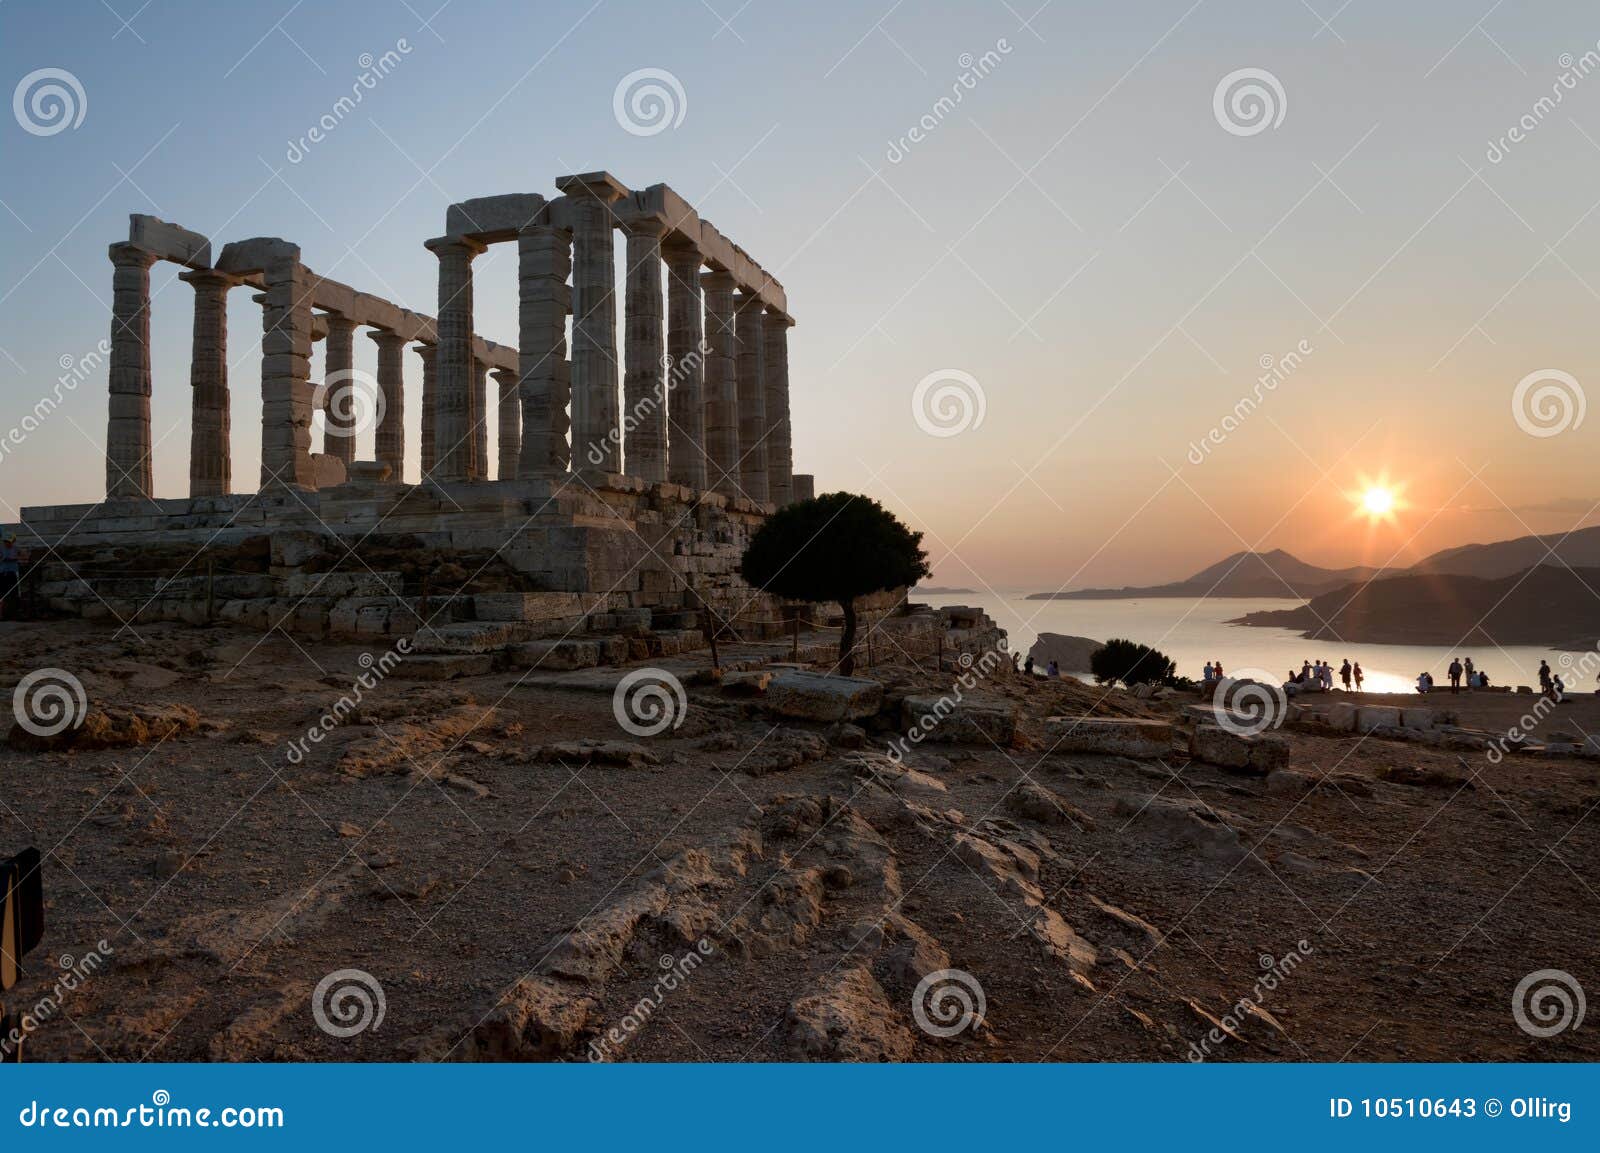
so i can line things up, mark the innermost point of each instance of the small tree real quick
(1131, 663)
(835, 547)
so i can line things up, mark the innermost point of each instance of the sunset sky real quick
(1089, 245)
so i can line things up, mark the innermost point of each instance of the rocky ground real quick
(523, 879)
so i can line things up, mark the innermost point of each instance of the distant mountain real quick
(1543, 605)
(940, 591)
(1244, 574)
(1578, 549)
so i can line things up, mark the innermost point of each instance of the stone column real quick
(643, 390)
(544, 260)
(780, 453)
(480, 420)
(389, 442)
(453, 422)
(129, 472)
(722, 398)
(596, 436)
(286, 393)
(510, 424)
(751, 366)
(430, 397)
(210, 452)
(686, 414)
(340, 391)
(805, 486)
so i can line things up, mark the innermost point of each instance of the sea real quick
(1193, 631)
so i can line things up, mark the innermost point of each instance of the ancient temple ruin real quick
(622, 482)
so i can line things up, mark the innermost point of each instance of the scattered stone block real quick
(557, 656)
(1113, 736)
(746, 684)
(1421, 719)
(1370, 717)
(444, 666)
(970, 721)
(822, 697)
(478, 637)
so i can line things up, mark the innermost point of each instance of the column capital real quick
(776, 319)
(210, 278)
(382, 337)
(339, 322)
(655, 226)
(718, 278)
(128, 255)
(747, 301)
(442, 246)
(601, 186)
(426, 351)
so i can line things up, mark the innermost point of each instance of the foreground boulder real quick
(111, 728)
(847, 1017)
(1255, 753)
(1115, 736)
(969, 722)
(821, 697)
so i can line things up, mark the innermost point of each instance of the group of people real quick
(1317, 676)
(1051, 670)
(1465, 671)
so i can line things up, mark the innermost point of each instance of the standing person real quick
(1209, 674)
(1052, 670)
(1344, 674)
(1027, 666)
(1472, 676)
(1455, 674)
(1305, 671)
(1544, 677)
(1327, 675)
(10, 574)
(1357, 672)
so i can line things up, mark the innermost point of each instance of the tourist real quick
(1558, 689)
(1027, 666)
(1544, 677)
(1467, 665)
(1344, 674)
(1218, 665)
(1455, 674)
(1053, 671)
(10, 572)
(1424, 682)
(1209, 674)
(1305, 672)
(1327, 676)
(1357, 672)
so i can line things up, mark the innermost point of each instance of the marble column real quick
(722, 398)
(596, 435)
(644, 419)
(128, 466)
(480, 420)
(389, 442)
(805, 486)
(454, 443)
(210, 451)
(429, 458)
(686, 414)
(780, 452)
(751, 366)
(510, 424)
(340, 389)
(286, 393)
(544, 261)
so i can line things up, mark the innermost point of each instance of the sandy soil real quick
(1109, 908)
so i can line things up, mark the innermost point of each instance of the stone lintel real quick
(168, 241)
(600, 186)
(495, 218)
(210, 276)
(244, 257)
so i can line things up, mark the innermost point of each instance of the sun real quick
(1377, 502)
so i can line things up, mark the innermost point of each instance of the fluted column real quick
(751, 367)
(686, 414)
(129, 472)
(780, 451)
(480, 420)
(722, 398)
(544, 261)
(210, 452)
(389, 442)
(645, 421)
(340, 402)
(805, 486)
(510, 446)
(596, 436)
(286, 393)
(454, 443)
(429, 355)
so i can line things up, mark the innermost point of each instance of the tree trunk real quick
(847, 639)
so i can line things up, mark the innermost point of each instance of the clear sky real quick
(1091, 241)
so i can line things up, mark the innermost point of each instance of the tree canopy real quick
(1131, 663)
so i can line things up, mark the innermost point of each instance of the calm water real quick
(1191, 632)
